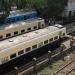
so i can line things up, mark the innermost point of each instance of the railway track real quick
(72, 33)
(40, 59)
(29, 67)
(67, 69)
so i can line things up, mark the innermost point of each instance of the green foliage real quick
(21, 4)
(4, 7)
(39, 6)
(45, 8)
(39, 3)
(55, 7)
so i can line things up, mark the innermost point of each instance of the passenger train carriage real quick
(22, 48)
(9, 30)
(19, 15)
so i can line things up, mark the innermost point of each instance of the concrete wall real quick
(69, 7)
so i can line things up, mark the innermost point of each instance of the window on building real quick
(20, 52)
(28, 49)
(1, 37)
(34, 46)
(56, 37)
(46, 41)
(22, 31)
(29, 29)
(70, 13)
(8, 35)
(74, 12)
(16, 32)
(40, 44)
(13, 56)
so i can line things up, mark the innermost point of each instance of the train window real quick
(13, 56)
(1, 36)
(40, 44)
(20, 52)
(28, 49)
(22, 31)
(8, 21)
(34, 46)
(46, 41)
(4, 59)
(21, 17)
(8, 35)
(51, 39)
(16, 32)
(29, 29)
(24, 17)
(63, 34)
(56, 37)
(13, 20)
(17, 19)
(35, 27)
(42, 25)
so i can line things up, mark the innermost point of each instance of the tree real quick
(40, 7)
(4, 9)
(55, 7)
(50, 8)
(21, 4)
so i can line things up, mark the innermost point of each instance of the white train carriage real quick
(15, 47)
(21, 27)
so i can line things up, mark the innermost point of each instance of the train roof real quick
(20, 23)
(18, 40)
(19, 12)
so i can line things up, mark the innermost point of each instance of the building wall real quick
(69, 9)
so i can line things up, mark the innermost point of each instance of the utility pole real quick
(35, 65)
(61, 50)
(16, 70)
(71, 43)
(49, 58)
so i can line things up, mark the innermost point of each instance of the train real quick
(21, 27)
(19, 15)
(21, 49)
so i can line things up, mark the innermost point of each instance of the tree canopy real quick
(45, 8)
(48, 8)
(55, 7)
(4, 9)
